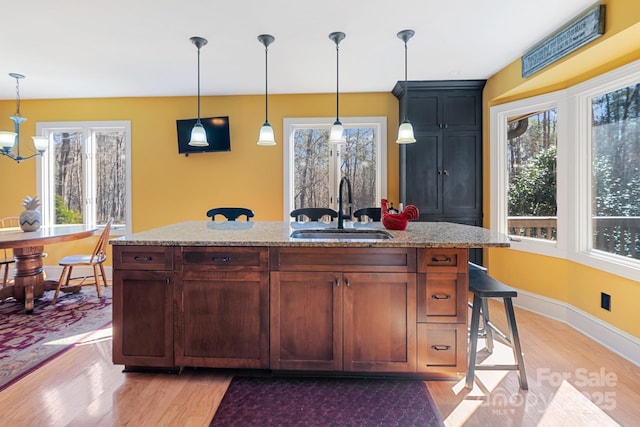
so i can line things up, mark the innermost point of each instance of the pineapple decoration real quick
(31, 218)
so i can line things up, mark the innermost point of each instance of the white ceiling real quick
(132, 48)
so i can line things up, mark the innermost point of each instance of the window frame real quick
(44, 168)
(290, 125)
(573, 105)
(500, 176)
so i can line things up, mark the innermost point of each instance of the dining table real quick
(28, 250)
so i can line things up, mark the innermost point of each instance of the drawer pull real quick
(221, 259)
(337, 282)
(441, 347)
(143, 258)
(441, 297)
(434, 259)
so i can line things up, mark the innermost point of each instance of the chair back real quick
(314, 214)
(9, 221)
(373, 214)
(100, 251)
(231, 214)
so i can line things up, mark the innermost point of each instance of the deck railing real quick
(614, 234)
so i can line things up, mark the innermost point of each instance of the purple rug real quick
(27, 341)
(254, 401)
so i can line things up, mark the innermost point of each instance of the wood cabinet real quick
(442, 283)
(337, 317)
(332, 309)
(222, 308)
(143, 280)
(441, 173)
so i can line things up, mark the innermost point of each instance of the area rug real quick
(27, 341)
(255, 401)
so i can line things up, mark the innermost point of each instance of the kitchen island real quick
(247, 295)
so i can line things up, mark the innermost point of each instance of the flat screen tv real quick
(217, 129)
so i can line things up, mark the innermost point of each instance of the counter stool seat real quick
(484, 286)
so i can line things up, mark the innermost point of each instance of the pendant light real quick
(266, 136)
(11, 140)
(198, 134)
(336, 136)
(405, 131)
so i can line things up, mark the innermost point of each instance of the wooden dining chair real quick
(314, 214)
(96, 260)
(6, 257)
(231, 214)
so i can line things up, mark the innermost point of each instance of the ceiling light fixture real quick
(266, 131)
(198, 134)
(10, 139)
(405, 131)
(336, 135)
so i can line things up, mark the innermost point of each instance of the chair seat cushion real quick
(81, 259)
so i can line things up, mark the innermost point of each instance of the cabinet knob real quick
(446, 172)
(337, 282)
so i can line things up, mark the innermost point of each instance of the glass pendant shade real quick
(7, 140)
(405, 134)
(266, 135)
(198, 136)
(337, 134)
(41, 142)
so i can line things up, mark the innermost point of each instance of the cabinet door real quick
(224, 319)
(462, 172)
(379, 322)
(306, 321)
(424, 109)
(143, 318)
(423, 174)
(462, 110)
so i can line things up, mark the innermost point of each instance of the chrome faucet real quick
(341, 215)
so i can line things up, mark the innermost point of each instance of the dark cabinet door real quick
(423, 183)
(461, 173)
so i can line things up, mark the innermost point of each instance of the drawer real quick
(442, 297)
(442, 349)
(143, 258)
(225, 258)
(443, 260)
(343, 259)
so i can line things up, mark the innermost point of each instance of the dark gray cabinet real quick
(442, 172)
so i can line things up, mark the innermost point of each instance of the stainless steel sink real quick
(343, 234)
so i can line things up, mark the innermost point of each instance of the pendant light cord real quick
(266, 82)
(406, 87)
(337, 82)
(198, 84)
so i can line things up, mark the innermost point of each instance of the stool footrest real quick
(497, 368)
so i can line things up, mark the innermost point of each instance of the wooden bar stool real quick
(484, 286)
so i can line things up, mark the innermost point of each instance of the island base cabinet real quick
(442, 349)
(357, 322)
(143, 318)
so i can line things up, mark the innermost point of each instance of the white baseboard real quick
(53, 272)
(616, 340)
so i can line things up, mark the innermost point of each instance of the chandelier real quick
(11, 140)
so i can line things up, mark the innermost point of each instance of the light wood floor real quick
(83, 388)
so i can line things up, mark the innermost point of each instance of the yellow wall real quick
(563, 280)
(167, 187)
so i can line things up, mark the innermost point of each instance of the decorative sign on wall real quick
(588, 27)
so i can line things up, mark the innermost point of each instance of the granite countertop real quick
(277, 233)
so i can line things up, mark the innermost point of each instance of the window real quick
(615, 171)
(597, 171)
(84, 176)
(313, 168)
(531, 162)
(528, 173)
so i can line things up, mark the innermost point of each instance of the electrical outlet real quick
(605, 301)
